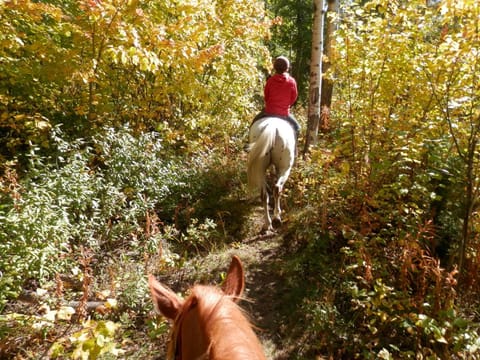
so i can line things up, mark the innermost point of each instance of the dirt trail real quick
(265, 285)
(261, 256)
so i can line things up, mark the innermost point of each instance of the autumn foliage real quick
(121, 129)
(154, 65)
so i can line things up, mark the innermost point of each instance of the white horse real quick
(271, 142)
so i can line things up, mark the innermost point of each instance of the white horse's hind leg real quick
(277, 211)
(277, 191)
(267, 225)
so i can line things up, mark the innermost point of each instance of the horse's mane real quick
(223, 320)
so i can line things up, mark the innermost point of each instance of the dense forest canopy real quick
(122, 125)
(152, 64)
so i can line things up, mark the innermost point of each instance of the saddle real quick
(289, 120)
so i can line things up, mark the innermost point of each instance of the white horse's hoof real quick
(267, 230)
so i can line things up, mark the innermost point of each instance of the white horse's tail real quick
(258, 159)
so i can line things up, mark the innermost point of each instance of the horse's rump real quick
(259, 155)
(272, 142)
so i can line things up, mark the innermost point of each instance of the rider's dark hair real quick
(281, 64)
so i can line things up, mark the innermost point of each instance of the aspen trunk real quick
(315, 76)
(327, 82)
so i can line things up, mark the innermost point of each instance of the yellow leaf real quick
(65, 313)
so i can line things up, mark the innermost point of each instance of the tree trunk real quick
(327, 82)
(469, 202)
(315, 76)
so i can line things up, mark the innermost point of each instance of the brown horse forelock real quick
(224, 322)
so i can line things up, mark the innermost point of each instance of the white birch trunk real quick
(315, 76)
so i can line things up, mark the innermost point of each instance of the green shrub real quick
(111, 193)
(369, 246)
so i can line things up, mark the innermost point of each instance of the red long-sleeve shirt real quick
(280, 93)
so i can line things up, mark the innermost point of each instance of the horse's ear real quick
(235, 282)
(165, 300)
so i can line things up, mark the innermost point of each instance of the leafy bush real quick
(111, 193)
(153, 65)
(402, 303)
(96, 338)
(370, 246)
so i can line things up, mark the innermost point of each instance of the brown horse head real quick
(208, 324)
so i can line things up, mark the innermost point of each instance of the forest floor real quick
(268, 297)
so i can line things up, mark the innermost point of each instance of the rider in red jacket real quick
(280, 90)
(280, 94)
